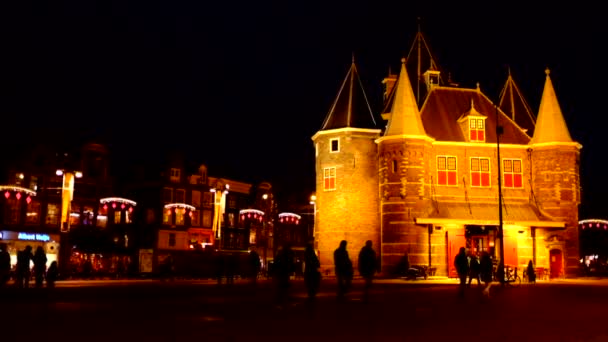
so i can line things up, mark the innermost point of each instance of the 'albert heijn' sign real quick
(9, 235)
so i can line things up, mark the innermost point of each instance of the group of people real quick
(344, 270)
(23, 272)
(482, 270)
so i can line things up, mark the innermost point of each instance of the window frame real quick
(448, 172)
(329, 178)
(331, 145)
(509, 172)
(480, 172)
(474, 123)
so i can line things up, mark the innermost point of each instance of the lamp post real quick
(67, 195)
(313, 201)
(501, 263)
(219, 203)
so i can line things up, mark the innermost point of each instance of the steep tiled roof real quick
(351, 107)
(445, 105)
(513, 103)
(551, 126)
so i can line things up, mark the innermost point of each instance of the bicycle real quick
(511, 277)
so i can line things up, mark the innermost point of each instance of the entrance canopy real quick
(464, 213)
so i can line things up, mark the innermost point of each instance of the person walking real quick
(5, 265)
(474, 270)
(23, 267)
(530, 272)
(344, 269)
(461, 263)
(284, 266)
(52, 274)
(39, 260)
(254, 266)
(367, 266)
(312, 275)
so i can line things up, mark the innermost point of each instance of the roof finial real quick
(472, 104)
(403, 60)
(478, 87)
(509, 70)
(353, 57)
(547, 71)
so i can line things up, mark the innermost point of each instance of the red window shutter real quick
(517, 181)
(485, 179)
(475, 179)
(441, 178)
(480, 135)
(508, 180)
(326, 183)
(473, 135)
(332, 183)
(451, 178)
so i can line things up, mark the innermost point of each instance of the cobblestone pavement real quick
(397, 310)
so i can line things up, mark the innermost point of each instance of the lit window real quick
(207, 218)
(195, 218)
(33, 213)
(334, 145)
(480, 171)
(512, 174)
(179, 216)
(74, 215)
(446, 170)
(477, 129)
(117, 216)
(52, 214)
(102, 218)
(167, 216)
(329, 178)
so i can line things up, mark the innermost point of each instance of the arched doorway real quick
(555, 263)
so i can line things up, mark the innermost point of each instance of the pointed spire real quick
(513, 103)
(405, 117)
(550, 126)
(351, 107)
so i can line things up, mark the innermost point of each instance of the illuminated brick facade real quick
(429, 182)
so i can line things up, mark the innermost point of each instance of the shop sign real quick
(33, 237)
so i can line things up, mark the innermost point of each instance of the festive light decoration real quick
(122, 206)
(590, 223)
(179, 205)
(28, 200)
(7, 194)
(17, 189)
(118, 200)
(289, 218)
(105, 207)
(18, 195)
(114, 205)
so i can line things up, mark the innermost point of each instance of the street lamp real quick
(313, 201)
(219, 203)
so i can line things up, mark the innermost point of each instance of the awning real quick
(464, 213)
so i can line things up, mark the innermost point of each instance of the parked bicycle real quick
(511, 278)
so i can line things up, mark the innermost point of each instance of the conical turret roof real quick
(405, 117)
(550, 125)
(351, 107)
(513, 103)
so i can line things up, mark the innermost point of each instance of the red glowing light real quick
(28, 200)
(18, 195)
(114, 205)
(122, 206)
(105, 207)
(7, 194)
(130, 209)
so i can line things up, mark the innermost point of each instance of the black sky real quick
(243, 85)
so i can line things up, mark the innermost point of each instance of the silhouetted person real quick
(168, 268)
(344, 269)
(51, 275)
(461, 263)
(486, 268)
(367, 266)
(5, 265)
(474, 270)
(23, 267)
(232, 263)
(312, 275)
(531, 272)
(254, 265)
(39, 266)
(283, 267)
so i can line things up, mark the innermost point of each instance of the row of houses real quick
(69, 203)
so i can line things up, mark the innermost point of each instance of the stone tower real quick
(556, 180)
(403, 152)
(347, 174)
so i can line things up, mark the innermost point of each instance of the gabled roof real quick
(405, 117)
(351, 107)
(551, 126)
(445, 105)
(513, 103)
(471, 112)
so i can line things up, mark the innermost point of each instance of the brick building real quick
(425, 182)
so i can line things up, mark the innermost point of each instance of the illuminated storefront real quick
(17, 241)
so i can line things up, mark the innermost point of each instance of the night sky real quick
(242, 86)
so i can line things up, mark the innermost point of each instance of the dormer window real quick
(477, 129)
